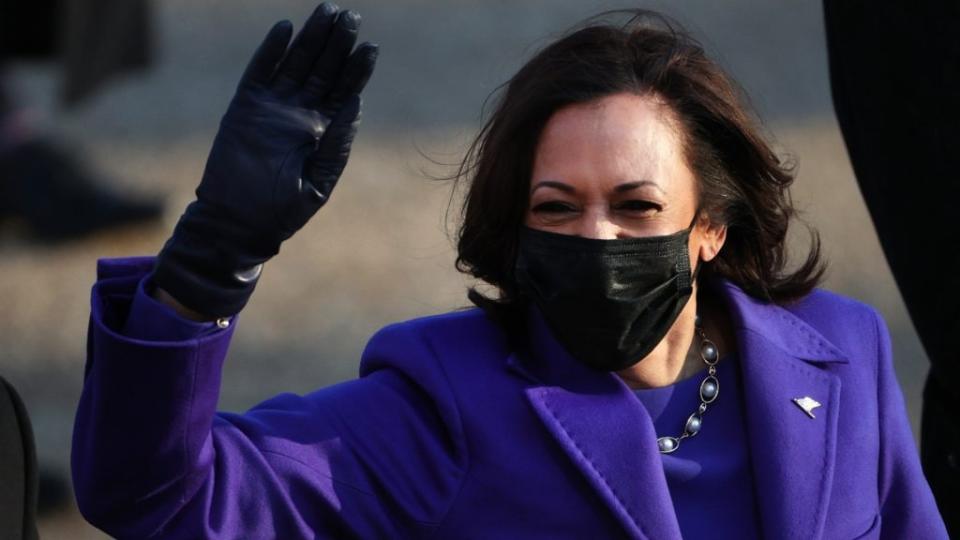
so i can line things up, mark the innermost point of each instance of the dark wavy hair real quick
(743, 183)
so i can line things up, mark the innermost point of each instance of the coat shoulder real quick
(853, 326)
(825, 305)
(468, 326)
(467, 319)
(455, 334)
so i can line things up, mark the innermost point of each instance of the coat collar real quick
(610, 438)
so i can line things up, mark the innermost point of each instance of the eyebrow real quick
(621, 188)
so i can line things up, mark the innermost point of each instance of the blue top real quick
(709, 475)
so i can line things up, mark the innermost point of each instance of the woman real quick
(632, 222)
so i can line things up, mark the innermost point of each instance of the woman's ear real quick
(712, 238)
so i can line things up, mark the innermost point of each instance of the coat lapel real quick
(605, 432)
(792, 454)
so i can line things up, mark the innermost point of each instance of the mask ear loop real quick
(699, 263)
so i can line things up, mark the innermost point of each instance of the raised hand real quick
(281, 147)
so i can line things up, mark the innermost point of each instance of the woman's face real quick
(614, 168)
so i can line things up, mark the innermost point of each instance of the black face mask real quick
(608, 302)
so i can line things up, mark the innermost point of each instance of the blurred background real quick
(382, 250)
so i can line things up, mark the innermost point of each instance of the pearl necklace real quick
(709, 389)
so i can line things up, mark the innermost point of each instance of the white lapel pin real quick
(808, 404)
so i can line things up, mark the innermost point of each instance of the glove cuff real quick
(208, 264)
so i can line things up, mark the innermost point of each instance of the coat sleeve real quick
(375, 457)
(907, 507)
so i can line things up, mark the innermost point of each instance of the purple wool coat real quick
(450, 433)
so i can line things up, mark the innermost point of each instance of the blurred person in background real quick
(44, 187)
(18, 468)
(631, 222)
(49, 194)
(895, 76)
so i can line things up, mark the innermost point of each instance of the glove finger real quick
(324, 166)
(356, 72)
(327, 67)
(310, 41)
(268, 54)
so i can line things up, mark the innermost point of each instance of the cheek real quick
(529, 218)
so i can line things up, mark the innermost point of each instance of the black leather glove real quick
(281, 147)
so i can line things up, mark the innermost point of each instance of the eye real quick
(639, 207)
(554, 207)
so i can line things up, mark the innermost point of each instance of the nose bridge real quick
(598, 224)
